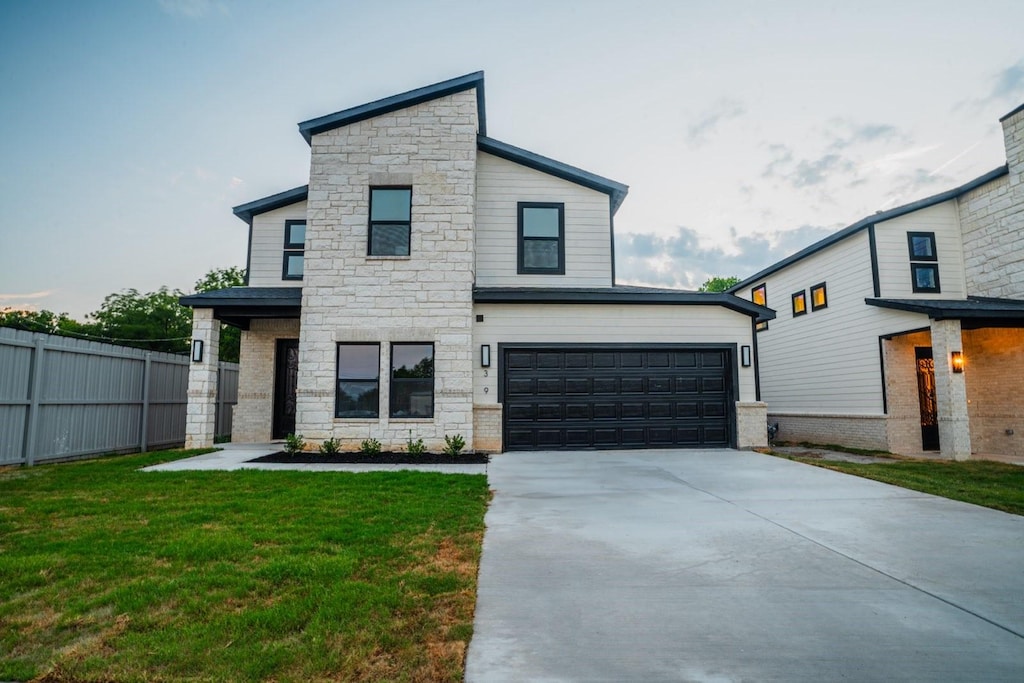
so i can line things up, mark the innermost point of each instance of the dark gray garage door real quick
(616, 398)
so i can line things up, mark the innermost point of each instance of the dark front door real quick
(286, 375)
(926, 398)
(617, 398)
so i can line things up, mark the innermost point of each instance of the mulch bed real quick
(388, 458)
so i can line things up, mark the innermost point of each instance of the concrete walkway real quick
(721, 565)
(235, 456)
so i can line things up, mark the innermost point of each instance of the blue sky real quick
(744, 130)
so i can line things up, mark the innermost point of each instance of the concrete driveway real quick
(721, 565)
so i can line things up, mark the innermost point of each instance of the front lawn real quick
(107, 573)
(991, 484)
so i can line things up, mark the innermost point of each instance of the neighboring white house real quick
(430, 280)
(905, 330)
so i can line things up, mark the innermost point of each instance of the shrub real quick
(416, 447)
(370, 447)
(331, 447)
(293, 443)
(453, 445)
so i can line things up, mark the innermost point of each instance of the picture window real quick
(358, 392)
(390, 229)
(412, 380)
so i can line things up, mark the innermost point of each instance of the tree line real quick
(151, 320)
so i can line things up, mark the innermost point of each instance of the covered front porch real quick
(955, 387)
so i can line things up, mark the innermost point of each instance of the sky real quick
(745, 130)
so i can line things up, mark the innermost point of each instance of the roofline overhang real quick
(868, 221)
(500, 295)
(946, 309)
(275, 201)
(345, 117)
(1009, 114)
(616, 190)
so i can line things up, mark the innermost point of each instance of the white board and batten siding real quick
(266, 258)
(501, 185)
(584, 324)
(827, 361)
(893, 252)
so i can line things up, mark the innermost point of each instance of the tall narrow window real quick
(759, 295)
(541, 238)
(924, 267)
(358, 381)
(819, 297)
(390, 221)
(294, 249)
(412, 380)
(799, 303)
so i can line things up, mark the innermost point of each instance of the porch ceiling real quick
(239, 306)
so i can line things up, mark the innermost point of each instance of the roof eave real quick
(569, 296)
(275, 201)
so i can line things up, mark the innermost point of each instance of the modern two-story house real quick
(430, 280)
(905, 331)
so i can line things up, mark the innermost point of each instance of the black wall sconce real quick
(745, 356)
(957, 359)
(197, 350)
(485, 356)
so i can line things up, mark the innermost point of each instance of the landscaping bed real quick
(385, 458)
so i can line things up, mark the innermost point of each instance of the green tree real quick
(718, 284)
(222, 278)
(154, 320)
(44, 321)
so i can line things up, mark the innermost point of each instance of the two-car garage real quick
(618, 396)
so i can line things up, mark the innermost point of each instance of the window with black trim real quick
(924, 266)
(390, 228)
(759, 295)
(541, 238)
(294, 249)
(819, 297)
(412, 379)
(799, 303)
(358, 381)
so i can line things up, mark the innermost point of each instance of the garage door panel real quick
(604, 398)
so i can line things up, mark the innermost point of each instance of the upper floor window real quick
(541, 238)
(390, 221)
(819, 297)
(924, 267)
(412, 379)
(294, 249)
(759, 295)
(799, 303)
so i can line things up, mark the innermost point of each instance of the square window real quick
(390, 221)
(358, 392)
(759, 295)
(412, 380)
(922, 246)
(819, 297)
(541, 238)
(799, 303)
(925, 277)
(761, 326)
(294, 249)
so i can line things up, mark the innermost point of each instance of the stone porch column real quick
(950, 392)
(201, 416)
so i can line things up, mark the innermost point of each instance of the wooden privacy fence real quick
(64, 398)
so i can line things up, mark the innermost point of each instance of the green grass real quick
(991, 484)
(107, 573)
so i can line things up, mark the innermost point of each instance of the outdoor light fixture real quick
(197, 350)
(745, 356)
(958, 361)
(485, 356)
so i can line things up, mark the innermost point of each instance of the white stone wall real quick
(751, 424)
(992, 220)
(201, 414)
(425, 297)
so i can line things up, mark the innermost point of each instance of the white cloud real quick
(33, 295)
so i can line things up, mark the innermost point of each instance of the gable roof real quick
(617, 191)
(274, 201)
(404, 100)
(872, 220)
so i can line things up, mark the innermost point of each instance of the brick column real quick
(950, 392)
(201, 416)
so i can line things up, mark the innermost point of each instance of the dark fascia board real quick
(274, 201)
(617, 191)
(874, 219)
(609, 295)
(246, 297)
(404, 100)
(956, 309)
(1015, 111)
